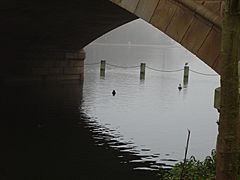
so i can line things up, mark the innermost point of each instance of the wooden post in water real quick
(142, 71)
(185, 156)
(102, 68)
(185, 75)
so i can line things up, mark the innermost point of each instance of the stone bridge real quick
(195, 24)
(43, 40)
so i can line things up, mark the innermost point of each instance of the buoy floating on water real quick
(179, 87)
(113, 92)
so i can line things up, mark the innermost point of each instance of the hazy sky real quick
(136, 32)
(147, 42)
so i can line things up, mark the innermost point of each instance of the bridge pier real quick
(46, 66)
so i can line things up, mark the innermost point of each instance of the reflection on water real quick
(66, 131)
(63, 131)
(45, 135)
(151, 117)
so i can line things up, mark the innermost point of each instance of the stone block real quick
(63, 77)
(55, 70)
(146, 8)
(41, 63)
(210, 49)
(214, 6)
(180, 23)
(73, 70)
(129, 5)
(217, 98)
(61, 63)
(196, 34)
(163, 14)
(32, 63)
(75, 54)
(71, 55)
(47, 63)
(117, 1)
(72, 77)
(39, 71)
(216, 65)
(76, 63)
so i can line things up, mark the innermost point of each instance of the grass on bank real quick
(193, 169)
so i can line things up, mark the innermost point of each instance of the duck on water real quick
(179, 87)
(114, 92)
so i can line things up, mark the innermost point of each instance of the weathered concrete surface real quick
(34, 28)
(51, 65)
(194, 24)
(68, 24)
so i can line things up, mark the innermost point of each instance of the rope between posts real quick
(153, 69)
(203, 73)
(159, 70)
(92, 64)
(125, 67)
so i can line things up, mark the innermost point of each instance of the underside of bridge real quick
(69, 24)
(33, 31)
(41, 38)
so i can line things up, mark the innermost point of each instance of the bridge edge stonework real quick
(52, 65)
(189, 23)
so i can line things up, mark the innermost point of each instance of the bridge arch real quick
(196, 25)
(32, 29)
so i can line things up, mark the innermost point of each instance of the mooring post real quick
(142, 71)
(185, 75)
(185, 155)
(102, 68)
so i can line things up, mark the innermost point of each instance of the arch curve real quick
(35, 27)
(196, 25)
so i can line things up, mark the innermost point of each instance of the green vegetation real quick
(194, 169)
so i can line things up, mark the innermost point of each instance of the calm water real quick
(72, 131)
(45, 135)
(152, 116)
